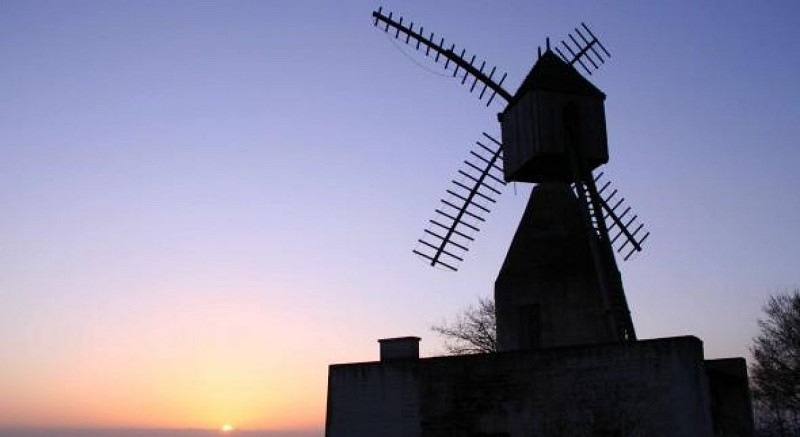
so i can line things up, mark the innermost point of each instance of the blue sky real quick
(236, 187)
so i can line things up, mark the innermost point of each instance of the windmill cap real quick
(551, 73)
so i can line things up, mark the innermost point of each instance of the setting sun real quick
(227, 428)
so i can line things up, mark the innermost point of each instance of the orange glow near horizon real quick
(251, 394)
(193, 397)
(174, 369)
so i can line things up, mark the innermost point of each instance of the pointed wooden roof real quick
(551, 73)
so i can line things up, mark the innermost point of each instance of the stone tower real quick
(546, 293)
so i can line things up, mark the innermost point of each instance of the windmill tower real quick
(554, 135)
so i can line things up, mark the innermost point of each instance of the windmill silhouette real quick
(553, 131)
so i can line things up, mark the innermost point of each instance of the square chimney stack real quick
(399, 348)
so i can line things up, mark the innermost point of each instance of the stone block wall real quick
(650, 388)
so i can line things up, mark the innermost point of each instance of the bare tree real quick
(775, 372)
(474, 331)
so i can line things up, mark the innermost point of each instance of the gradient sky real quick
(206, 203)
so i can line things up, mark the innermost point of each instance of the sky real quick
(207, 203)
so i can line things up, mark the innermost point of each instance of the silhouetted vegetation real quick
(775, 372)
(472, 332)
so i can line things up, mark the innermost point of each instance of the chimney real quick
(399, 348)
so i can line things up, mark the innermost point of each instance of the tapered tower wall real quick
(547, 292)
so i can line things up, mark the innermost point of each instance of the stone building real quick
(559, 370)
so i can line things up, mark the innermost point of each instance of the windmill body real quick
(554, 133)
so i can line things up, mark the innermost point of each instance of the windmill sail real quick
(449, 234)
(619, 220)
(586, 50)
(471, 74)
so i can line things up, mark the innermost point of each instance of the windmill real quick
(553, 131)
